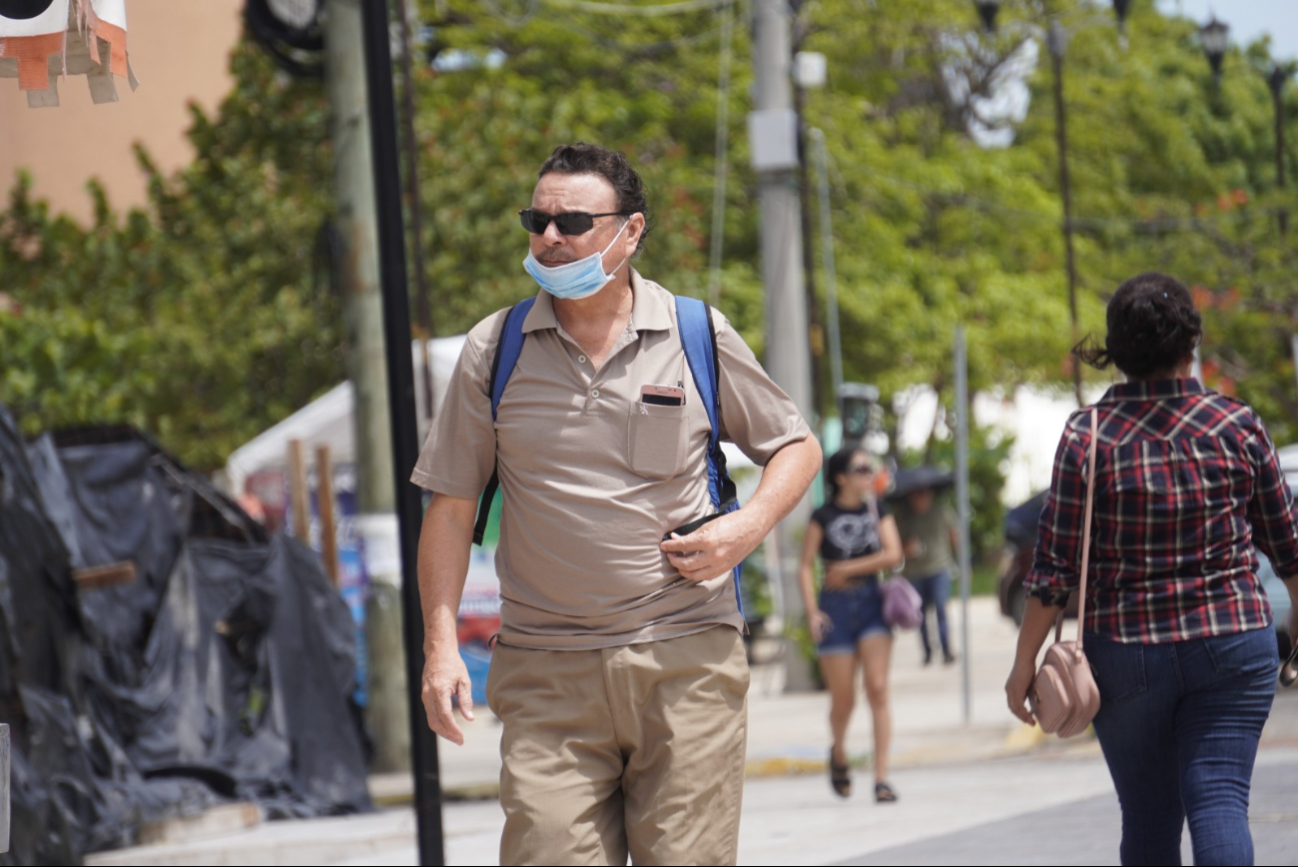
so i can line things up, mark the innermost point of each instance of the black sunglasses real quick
(571, 223)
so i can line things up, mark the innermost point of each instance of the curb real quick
(1020, 741)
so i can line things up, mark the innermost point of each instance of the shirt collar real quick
(648, 308)
(1153, 389)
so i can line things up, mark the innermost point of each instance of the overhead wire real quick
(498, 10)
(644, 47)
(623, 9)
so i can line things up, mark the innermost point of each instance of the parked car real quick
(1021, 540)
(1016, 558)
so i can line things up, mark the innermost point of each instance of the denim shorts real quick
(855, 613)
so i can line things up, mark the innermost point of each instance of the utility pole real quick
(773, 137)
(387, 713)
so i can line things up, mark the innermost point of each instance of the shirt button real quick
(594, 392)
(581, 359)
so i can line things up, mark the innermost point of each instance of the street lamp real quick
(1215, 38)
(1056, 39)
(987, 10)
(1279, 75)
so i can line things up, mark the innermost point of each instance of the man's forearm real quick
(444, 544)
(785, 479)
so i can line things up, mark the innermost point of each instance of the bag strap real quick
(699, 340)
(698, 336)
(508, 348)
(1086, 538)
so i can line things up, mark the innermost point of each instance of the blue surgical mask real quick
(579, 279)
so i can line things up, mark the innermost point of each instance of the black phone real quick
(686, 529)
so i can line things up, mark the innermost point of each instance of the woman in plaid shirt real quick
(1178, 629)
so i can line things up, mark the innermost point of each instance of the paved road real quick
(1087, 832)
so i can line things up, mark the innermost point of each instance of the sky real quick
(1248, 20)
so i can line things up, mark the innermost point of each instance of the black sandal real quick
(840, 777)
(883, 794)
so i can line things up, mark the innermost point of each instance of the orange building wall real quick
(179, 50)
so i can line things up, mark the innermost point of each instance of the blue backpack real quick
(698, 339)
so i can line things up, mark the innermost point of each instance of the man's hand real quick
(715, 548)
(446, 676)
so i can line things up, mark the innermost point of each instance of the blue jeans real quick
(934, 591)
(1179, 724)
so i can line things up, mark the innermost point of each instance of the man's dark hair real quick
(1153, 326)
(589, 159)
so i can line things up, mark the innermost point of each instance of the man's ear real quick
(635, 229)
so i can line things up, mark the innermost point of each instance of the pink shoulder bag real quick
(1064, 698)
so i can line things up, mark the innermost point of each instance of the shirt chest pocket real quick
(657, 440)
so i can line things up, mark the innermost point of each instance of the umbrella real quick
(1021, 521)
(919, 478)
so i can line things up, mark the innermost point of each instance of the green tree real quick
(201, 317)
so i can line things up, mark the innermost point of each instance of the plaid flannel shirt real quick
(1187, 482)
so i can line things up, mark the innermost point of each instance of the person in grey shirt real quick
(929, 537)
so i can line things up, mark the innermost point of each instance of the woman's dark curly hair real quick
(1153, 327)
(581, 158)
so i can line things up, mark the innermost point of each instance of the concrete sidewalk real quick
(789, 732)
(788, 736)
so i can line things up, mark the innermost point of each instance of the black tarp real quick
(225, 670)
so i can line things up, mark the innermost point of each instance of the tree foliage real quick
(199, 317)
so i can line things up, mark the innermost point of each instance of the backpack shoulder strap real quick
(508, 348)
(699, 339)
(694, 321)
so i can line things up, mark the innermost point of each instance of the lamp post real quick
(1215, 38)
(1279, 75)
(1056, 38)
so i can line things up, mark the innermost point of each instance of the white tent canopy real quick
(327, 421)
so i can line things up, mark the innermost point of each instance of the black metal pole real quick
(1056, 43)
(401, 399)
(1277, 81)
(814, 326)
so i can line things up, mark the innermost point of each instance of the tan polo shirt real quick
(592, 478)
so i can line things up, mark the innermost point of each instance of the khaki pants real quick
(633, 750)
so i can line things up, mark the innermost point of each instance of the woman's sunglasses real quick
(861, 471)
(571, 223)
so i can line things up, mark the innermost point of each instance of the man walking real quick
(620, 674)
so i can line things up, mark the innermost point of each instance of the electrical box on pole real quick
(860, 412)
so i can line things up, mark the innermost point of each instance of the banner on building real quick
(42, 41)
